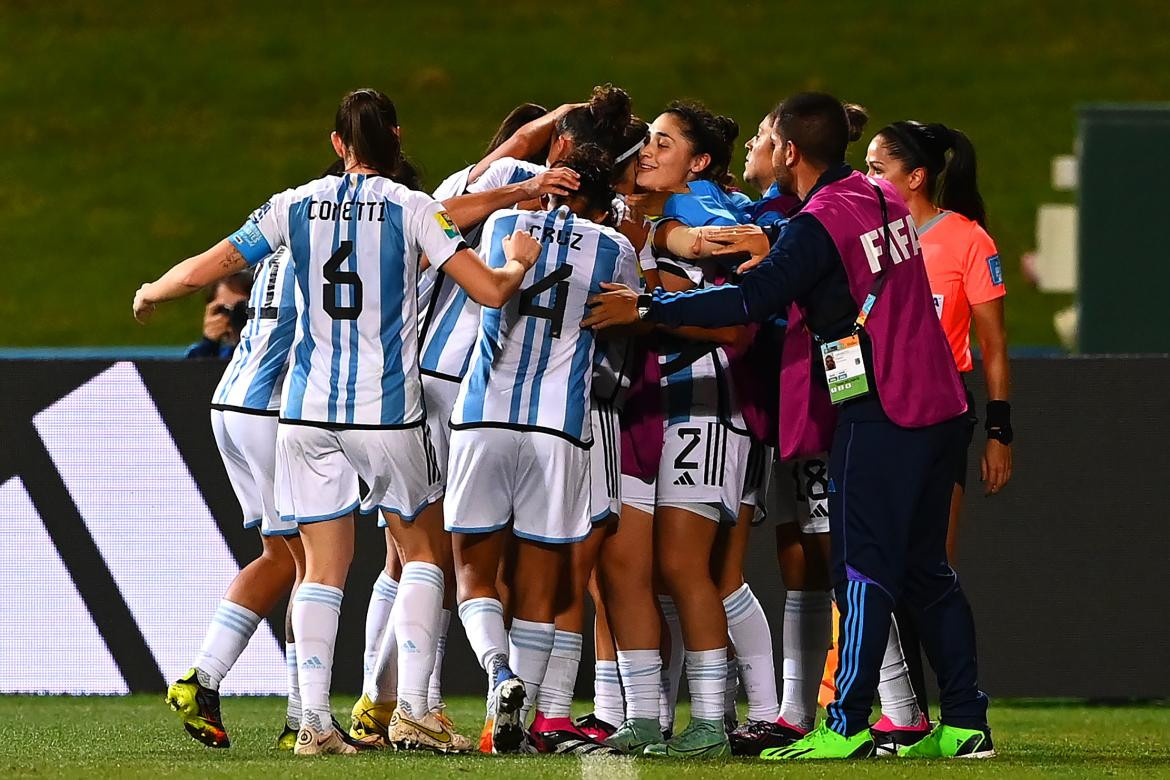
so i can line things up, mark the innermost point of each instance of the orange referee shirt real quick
(963, 266)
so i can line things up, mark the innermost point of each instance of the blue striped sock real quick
(227, 636)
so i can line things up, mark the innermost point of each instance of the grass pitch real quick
(138, 736)
(137, 133)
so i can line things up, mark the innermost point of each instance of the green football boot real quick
(634, 735)
(198, 708)
(700, 739)
(287, 739)
(952, 742)
(823, 743)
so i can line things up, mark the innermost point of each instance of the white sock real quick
(641, 672)
(560, 676)
(672, 669)
(377, 619)
(899, 703)
(529, 646)
(808, 632)
(292, 712)
(435, 684)
(747, 625)
(316, 609)
(416, 628)
(385, 677)
(607, 691)
(730, 688)
(227, 636)
(483, 622)
(706, 678)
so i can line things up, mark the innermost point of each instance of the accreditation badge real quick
(844, 368)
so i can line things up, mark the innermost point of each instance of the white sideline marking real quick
(608, 768)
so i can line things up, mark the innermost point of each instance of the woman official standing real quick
(933, 168)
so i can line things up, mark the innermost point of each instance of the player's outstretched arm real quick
(467, 211)
(526, 140)
(194, 273)
(492, 287)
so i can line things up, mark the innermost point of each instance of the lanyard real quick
(880, 281)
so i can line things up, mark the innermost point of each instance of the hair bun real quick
(857, 117)
(610, 106)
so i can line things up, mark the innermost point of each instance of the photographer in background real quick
(224, 317)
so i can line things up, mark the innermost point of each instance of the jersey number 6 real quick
(558, 282)
(335, 278)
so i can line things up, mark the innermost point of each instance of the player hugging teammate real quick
(444, 354)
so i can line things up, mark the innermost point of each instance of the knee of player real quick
(679, 571)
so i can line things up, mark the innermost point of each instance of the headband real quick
(630, 152)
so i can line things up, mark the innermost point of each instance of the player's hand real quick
(996, 468)
(739, 239)
(216, 324)
(522, 248)
(555, 181)
(617, 306)
(143, 305)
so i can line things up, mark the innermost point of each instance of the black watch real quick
(643, 305)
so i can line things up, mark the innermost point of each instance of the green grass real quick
(138, 736)
(136, 133)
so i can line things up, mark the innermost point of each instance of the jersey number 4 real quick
(558, 282)
(335, 278)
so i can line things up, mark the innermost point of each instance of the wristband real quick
(999, 421)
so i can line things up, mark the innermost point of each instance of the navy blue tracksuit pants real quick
(889, 502)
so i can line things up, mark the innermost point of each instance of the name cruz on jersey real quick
(354, 356)
(532, 367)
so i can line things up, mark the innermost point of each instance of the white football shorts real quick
(247, 444)
(757, 479)
(538, 482)
(317, 471)
(638, 494)
(800, 494)
(605, 463)
(439, 399)
(702, 468)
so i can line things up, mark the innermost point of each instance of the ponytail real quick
(948, 156)
(958, 189)
(367, 123)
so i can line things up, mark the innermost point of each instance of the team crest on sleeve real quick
(445, 222)
(996, 269)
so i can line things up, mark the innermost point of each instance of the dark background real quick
(1065, 569)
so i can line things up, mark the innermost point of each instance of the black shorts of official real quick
(970, 420)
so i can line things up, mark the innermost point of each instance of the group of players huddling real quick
(430, 360)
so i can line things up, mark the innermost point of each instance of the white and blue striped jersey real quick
(355, 242)
(533, 364)
(610, 373)
(450, 320)
(254, 376)
(450, 187)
